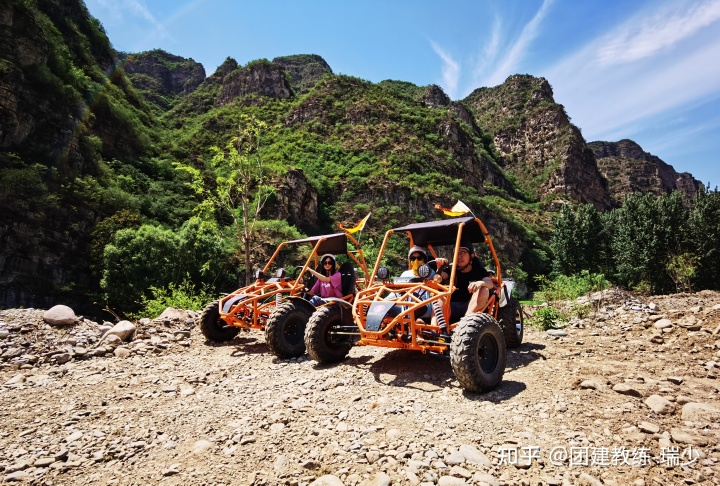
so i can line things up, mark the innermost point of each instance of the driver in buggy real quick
(472, 283)
(328, 284)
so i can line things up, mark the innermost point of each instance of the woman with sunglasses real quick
(328, 284)
(417, 256)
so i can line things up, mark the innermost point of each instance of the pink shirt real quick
(329, 289)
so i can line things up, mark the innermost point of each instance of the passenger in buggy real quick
(417, 256)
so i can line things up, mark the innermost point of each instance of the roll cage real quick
(372, 305)
(250, 306)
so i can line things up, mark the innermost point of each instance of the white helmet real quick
(416, 249)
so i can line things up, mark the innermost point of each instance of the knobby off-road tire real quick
(477, 352)
(512, 323)
(321, 345)
(285, 330)
(212, 327)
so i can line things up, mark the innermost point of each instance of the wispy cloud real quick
(450, 71)
(660, 31)
(519, 47)
(488, 53)
(185, 10)
(607, 95)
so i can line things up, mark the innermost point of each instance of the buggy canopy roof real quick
(335, 243)
(444, 232)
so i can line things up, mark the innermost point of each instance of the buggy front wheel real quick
(323, 343)
(213, 327)
(285, 330)
(477, 352)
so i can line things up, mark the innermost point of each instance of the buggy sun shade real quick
(335, 243)
(444, 232)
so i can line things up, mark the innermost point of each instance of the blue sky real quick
(647, 70)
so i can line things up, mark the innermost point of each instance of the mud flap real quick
(377, 312)
(227, 305)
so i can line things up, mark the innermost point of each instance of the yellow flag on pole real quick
(458, 210)
(357, 228)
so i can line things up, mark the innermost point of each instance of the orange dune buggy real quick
(384, 313)
(259, 305)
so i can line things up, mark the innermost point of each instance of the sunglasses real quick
(419, 257)
(328, 262)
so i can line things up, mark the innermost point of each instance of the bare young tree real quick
(240, 184)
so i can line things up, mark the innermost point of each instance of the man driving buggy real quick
(472, 282)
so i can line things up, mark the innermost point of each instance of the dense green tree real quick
(137, 259)
(240, 184)
(579, 241)
(704, 239)
(646, 231)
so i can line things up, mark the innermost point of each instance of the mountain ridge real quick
(86, 133)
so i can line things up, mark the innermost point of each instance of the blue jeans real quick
(317, 301)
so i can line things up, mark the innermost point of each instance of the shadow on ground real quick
(524, 355)
(433, 373)
(245, 343)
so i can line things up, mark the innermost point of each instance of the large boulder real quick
(60, 315)
(123, 329)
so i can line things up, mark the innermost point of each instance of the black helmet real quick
(468, 246)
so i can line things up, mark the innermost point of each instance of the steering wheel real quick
(308, 279)
(296, 271)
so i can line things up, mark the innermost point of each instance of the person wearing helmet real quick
(328, 284)
(472, 282)
(416, 257)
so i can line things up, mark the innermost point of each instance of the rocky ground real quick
(629, 394)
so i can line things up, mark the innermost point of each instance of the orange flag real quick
(357, 228)
(458, 210)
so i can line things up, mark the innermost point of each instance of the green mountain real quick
(90, 140)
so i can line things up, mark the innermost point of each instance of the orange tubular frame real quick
(250, 306)
(404, 331)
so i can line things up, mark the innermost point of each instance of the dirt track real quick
(617, 400)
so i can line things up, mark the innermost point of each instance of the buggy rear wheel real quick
(477, 352)
(285, 330)
(512, 323)
(322, 345)
(213, 327)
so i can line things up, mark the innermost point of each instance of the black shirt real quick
(463, 279)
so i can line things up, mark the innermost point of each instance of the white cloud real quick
(607, 97)
(643, 38)
(450, 71)
(489, 52)
(132, 15)
(519, 47)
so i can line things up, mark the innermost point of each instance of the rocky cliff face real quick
(22, 46)
(260, 78)
(58, 121)
(539, 146)
(160, 73)
(297, 201)
(628, 168)
(304, 70)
